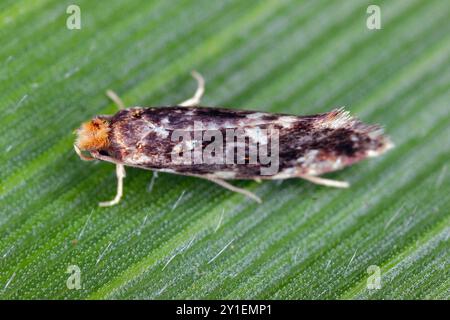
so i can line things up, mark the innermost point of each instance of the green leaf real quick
(188, 238)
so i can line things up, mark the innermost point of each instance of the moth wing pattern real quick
(308, 145)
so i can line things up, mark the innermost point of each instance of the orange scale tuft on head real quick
(93, 135)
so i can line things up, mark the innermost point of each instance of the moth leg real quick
(81, 155)
(120, 173)
(230, 187)
(195, 100)
(116, 99)
(325, 182)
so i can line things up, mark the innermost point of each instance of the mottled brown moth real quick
(221, 144)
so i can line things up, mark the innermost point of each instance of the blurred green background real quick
(188, 238)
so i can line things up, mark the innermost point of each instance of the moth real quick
(220, 144)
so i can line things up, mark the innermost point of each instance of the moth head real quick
(93, 135)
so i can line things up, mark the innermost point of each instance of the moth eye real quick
(104, 153)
